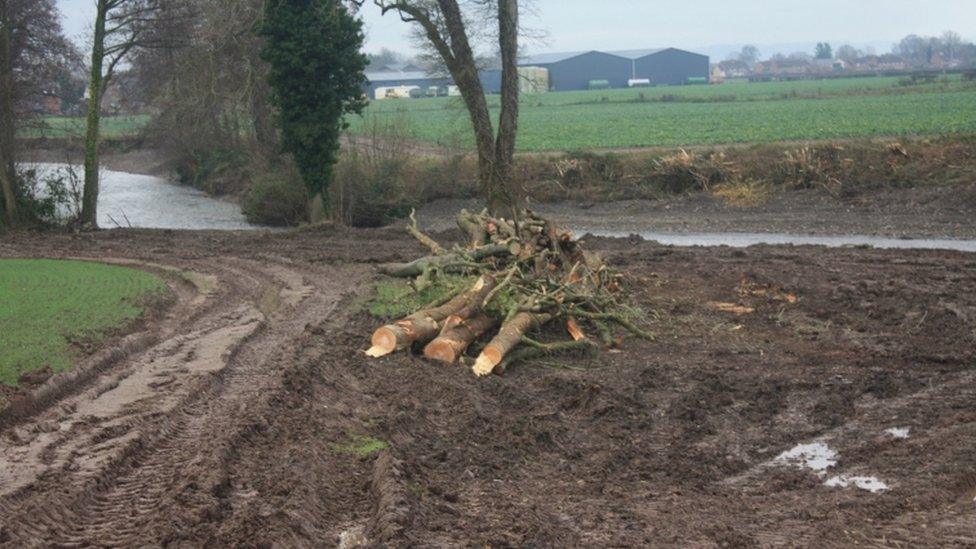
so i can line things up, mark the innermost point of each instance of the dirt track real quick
(222, 420)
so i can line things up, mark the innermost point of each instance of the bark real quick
(457, 336)
(503, 197)
(507, 339)
(7, 127)
(423, 326)
(89, 203)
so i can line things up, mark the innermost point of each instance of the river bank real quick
(925, 210)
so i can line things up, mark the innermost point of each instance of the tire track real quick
(157, 460)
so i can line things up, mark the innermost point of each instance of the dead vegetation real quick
(405, 177)
(525, 274)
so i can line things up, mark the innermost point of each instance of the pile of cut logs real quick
(527, 274)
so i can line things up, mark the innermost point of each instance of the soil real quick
(917, 212)
(247, 414)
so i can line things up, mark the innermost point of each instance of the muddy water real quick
(148, 202)
(742, 240)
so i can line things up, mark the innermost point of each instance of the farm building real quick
(490, 79)
(582, 70)
(620, 69)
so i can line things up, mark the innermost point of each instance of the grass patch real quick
(396, 298)
(361, 445)
(47, 305)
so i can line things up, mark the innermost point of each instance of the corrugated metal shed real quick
(662, 66)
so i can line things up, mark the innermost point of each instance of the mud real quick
(925, 211)
(237, 419)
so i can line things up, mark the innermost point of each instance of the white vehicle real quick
(395, 92)
(453, 91)
(638, 83)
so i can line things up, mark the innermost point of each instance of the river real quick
(142, 201)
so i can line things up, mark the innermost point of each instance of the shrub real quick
(276, 200)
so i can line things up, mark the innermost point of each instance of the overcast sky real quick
(711, 26)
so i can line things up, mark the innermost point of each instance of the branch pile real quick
(526, 274)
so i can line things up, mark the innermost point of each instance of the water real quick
(742, 240)
(143, 201)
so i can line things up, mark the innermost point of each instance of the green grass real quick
(111, 126)
(45, 305)
(361, 445)
(703, 115)
(396, 298)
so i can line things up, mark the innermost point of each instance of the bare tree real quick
(446, 26)
(32, 52)
(121, 26)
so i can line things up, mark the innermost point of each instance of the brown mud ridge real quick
(237, 417)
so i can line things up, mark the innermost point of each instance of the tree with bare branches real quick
(121, 27)
(447, 26)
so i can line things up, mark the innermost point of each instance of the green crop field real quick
(45, 305)
(700, 115)
(111, 127)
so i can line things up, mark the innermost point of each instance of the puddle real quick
(898, 432)
(871, 484)
(743, 240)
(816, 456)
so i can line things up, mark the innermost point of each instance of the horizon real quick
(713, 28)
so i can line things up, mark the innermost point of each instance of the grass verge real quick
(47, 307)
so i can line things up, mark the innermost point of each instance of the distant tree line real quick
(947, 51)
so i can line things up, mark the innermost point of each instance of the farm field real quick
(112, 126)
(46, 305)
(730, 113)
(699, 115)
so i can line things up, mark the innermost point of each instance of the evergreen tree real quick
(824, 51)
(314, 49)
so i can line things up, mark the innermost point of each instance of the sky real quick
(713, 27)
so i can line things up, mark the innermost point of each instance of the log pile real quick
(527, 274)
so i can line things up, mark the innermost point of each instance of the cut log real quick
(457, 335)
(507, 339)
(423, 326)
(449, 262)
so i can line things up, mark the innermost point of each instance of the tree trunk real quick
(89, 203)
(503, 196)
(8, 135)
(457, 336)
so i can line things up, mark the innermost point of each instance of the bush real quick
(276, 200)
(50, 199)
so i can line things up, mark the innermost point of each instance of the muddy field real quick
(237, 414)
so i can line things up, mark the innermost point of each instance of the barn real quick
(577, 70)
(667, 66)
(583, 70)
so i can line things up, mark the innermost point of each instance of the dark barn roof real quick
(574, 70)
